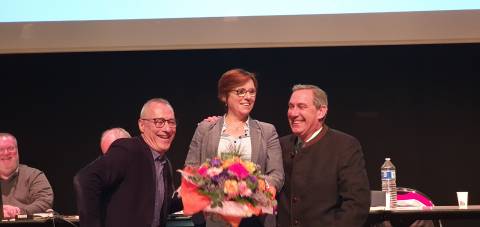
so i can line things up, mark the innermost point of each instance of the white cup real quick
(462, 199)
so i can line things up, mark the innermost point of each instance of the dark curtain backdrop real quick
(417, 104)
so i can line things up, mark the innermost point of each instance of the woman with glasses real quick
(255, 140)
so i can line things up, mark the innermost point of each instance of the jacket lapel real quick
(148, 154)
(214, 139)
(255, 135)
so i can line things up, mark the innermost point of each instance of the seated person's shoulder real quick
(27, 170)
(30, 174)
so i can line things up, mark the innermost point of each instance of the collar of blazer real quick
(215, 129)
(318, 137)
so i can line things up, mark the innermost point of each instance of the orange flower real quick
(231, 188)
(227, 163)
(261, 185)
(272, 191)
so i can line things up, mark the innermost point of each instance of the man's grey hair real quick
(118, 132)
(6, 134)
(154, 100)
(319, 95)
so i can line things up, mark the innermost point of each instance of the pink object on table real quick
(415, 196)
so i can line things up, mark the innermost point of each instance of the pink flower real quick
(239, 170)
(203, 171)
(214, 171)
(244, 190)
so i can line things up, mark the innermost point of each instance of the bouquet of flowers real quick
(228, 186)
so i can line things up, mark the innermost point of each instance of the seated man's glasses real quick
(9, 149)
(242, 92)
(160, 122)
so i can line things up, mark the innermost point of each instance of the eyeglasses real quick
(9, 149)
(160, 122)
(241, 92)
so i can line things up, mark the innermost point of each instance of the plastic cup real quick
(462, 199)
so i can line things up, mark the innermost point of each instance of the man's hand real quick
(270, 189)
(212, 119)
(10, 211)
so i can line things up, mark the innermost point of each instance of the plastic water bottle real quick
(389, 185)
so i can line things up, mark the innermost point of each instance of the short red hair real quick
(234, 78)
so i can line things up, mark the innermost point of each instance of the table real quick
(71, 221)
(404, 216)
(398, 217)
(57, 221)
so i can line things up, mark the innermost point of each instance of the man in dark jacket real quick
(132, 184)
(326, 182)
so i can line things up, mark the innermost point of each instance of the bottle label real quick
(388, 202)
(388, 175)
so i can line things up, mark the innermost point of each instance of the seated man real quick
(25, 190)
(110, 135)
